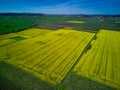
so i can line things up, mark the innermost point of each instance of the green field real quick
(14, 23)
(11, 24)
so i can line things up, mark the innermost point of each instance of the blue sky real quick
(61, 6)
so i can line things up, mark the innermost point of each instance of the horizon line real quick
(51, 13)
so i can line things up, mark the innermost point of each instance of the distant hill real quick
(75, 15)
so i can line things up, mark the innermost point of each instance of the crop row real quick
(101, 62)
(49, 57)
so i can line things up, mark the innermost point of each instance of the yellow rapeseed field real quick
(101, 62)
(29, 33)
(78, 22)
(47, 54)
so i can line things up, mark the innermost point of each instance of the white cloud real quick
(66, 8)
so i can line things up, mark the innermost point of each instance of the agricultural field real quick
(101, 62)
(77, 22)
(10, 24)
(59, 52)
(25, 34)
(49, 56)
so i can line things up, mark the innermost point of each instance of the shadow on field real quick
(20, 79)
(16, 79)
(75, 82)
(6, 85)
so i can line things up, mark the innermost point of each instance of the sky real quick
(61, 6)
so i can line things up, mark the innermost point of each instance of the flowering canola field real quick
(101, 62)
(49, 55)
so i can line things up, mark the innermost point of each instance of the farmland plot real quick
(25, 34)
(49, 57)
(101, 62)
